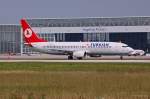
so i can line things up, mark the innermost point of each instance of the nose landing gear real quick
(121, 57)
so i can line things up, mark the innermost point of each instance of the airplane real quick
(75, 50)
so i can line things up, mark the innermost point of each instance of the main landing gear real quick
(70, 57)
(79, 58)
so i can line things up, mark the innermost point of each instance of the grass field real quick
(74, 80)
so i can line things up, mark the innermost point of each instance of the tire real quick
(79, 58)
(121, 57)
(70, 57)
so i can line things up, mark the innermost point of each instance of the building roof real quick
(97, 21)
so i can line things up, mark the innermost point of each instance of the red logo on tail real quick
(29, 35)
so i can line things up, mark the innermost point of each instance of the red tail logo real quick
(29, 35)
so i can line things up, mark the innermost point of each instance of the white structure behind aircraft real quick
(75, 49)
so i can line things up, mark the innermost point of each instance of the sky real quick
(11, 11)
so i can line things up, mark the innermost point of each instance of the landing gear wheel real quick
(121, 57)
(70, 57)
(79, 58)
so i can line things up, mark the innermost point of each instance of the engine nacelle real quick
(79, 54)
(137, 53)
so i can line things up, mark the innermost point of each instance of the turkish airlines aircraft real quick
(74, 49)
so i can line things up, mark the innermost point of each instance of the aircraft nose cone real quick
(141, 52)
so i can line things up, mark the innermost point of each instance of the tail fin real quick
(29, 35)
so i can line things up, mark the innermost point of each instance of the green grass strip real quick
(37, 66)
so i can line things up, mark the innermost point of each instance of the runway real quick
(57, 58)
(82, 61)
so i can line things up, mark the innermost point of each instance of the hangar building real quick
(134, 31)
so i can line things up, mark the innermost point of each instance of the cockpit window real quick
(125, 46)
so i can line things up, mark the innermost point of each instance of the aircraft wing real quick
(74, 53)
(62, 51)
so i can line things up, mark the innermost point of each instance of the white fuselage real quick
(91, 48)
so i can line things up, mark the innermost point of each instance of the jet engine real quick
(79, 54)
